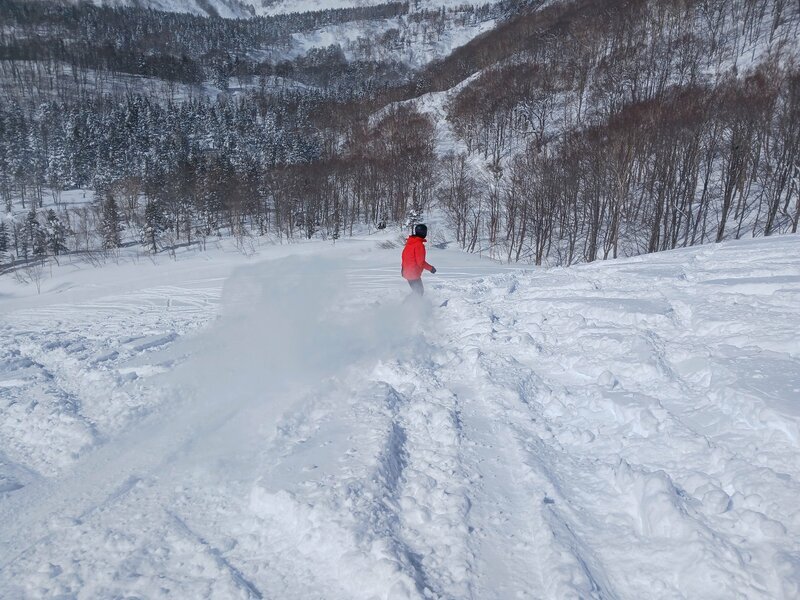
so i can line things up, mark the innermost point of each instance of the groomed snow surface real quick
(286, 426)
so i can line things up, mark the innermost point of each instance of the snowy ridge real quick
(624, 429)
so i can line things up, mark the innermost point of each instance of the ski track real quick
(618, 430)
(73, 372)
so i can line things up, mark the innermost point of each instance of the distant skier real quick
(414, 259)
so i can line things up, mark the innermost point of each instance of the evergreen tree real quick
(31, 224)
(56, 233)
(21, 241)
(3, 242)
(111, 224)
(153, 226)
(31, 235)
(40, 243)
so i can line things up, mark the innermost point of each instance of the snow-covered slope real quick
(292, 429)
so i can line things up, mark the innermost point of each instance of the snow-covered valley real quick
(286, 426)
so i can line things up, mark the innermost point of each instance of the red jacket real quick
(414, 258)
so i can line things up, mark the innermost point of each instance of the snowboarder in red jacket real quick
(414, 259)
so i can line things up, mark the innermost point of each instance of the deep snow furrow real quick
(425, 472)
(128, 542)
(154, 445)
(434, 502)
(522, 552)
(72, 384)
(346, 496)
(42, 427)
(235, 574)
(505, 493)
(668, 390)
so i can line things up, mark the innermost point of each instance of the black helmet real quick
(421, 230)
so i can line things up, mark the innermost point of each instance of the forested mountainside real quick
(550, 132)
(257, 8)
(627, 127)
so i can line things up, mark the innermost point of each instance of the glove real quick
(433, 269)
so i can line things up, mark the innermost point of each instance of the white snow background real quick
(286, 426)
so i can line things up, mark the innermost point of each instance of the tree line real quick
(588, 130)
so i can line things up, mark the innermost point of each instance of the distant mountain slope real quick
(231, 9)
(241, 9)
(274, 7)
